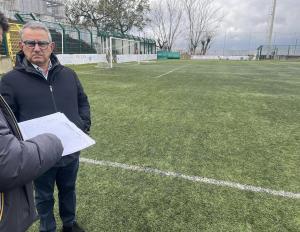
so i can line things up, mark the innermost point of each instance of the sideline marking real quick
(175, 69)
(211, 181)
(96, 72)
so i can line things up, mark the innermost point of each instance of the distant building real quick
(49, 10)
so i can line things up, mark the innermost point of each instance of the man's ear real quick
(21, 45)
(52, 46)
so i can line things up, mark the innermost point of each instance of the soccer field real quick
(191, 146)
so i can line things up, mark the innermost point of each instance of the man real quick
(20, 163)
(39, 85)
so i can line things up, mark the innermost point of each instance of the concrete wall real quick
(207, 57)
(81, 58)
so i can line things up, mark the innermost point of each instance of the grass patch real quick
(232, 121)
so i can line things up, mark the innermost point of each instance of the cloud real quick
(256, 13)
(246, 23)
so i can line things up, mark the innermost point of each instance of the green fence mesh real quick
(72, 39)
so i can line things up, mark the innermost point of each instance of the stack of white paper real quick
(72, 138)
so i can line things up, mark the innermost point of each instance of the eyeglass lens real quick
(32, 43)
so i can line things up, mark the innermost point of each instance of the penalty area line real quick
(200, 179)
(173, 70)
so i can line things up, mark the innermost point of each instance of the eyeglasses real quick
(31, 44)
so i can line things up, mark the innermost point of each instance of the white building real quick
(49, 10)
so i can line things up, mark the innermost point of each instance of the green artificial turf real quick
(228, 120)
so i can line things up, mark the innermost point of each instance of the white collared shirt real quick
(40, 70)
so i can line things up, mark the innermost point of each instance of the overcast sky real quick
(246, 15)
(249, 20)
(245, 23)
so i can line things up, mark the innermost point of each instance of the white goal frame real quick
(120, 39)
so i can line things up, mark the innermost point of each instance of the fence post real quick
(62, 38)
(91, 34)
(4, 45)
(224, 44)
(79, 38)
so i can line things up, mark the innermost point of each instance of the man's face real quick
(36, 46)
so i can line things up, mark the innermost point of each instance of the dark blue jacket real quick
(30, 95)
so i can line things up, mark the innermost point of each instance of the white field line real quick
(173, 70)
(96, 72)
(234, 73)
(193, 178)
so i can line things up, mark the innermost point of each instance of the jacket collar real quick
(23, 64)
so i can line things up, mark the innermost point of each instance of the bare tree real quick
(86, 12)
(165, 22)
(123, 15)
(206, 42)
(108, 15)
(203, 18)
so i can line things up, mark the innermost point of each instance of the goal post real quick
(124, 50)
(102, 48)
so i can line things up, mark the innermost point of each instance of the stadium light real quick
(270, 34)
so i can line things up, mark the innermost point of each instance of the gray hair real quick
(35, 25)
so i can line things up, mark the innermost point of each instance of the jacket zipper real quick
(51, 90)
(52, 96)
(1, 205)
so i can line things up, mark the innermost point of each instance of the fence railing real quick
(277, 51)
(70, 39)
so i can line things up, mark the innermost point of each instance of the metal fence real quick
(231, 43)
(278, 52)
(70, 39)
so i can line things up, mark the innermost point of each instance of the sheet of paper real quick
(72, 138)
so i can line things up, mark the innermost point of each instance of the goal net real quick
(123, 51)
(102, 48)
(115, 50)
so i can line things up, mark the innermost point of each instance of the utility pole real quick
(224, 44)
(270, 34)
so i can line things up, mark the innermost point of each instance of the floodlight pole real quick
(224, 44)
(271, 27)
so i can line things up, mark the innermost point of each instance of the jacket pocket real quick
(1, 205)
